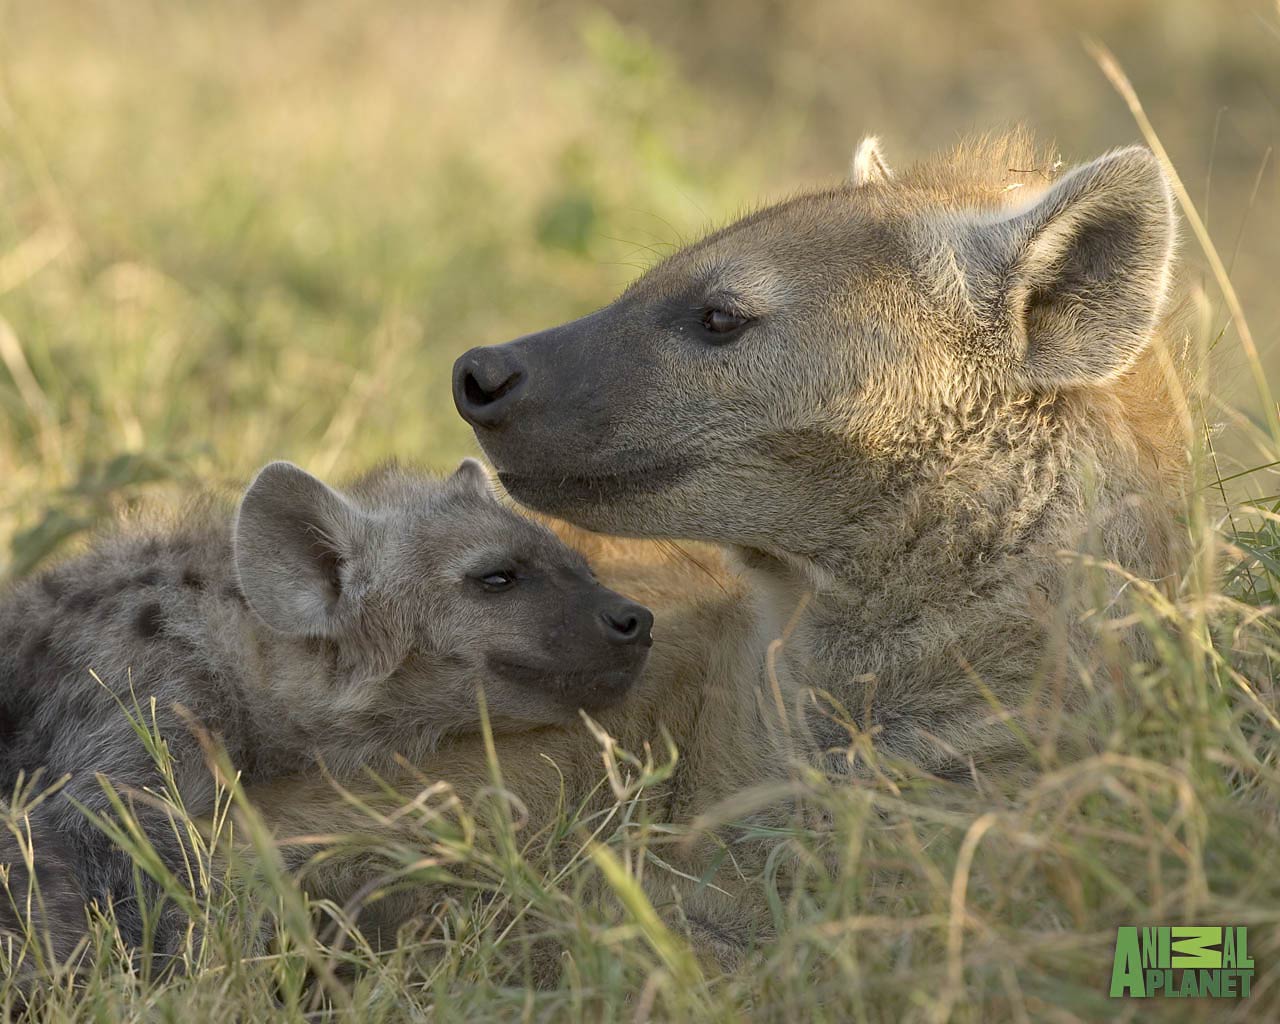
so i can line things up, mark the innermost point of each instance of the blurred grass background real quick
(237, 231)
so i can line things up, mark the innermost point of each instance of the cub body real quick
(316, 625)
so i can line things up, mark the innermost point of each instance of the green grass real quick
(237, 232)
(918, 903)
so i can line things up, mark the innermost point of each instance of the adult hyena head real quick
(829, 342)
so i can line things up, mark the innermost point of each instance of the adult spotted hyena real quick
(315, 624)
(895, 402)
(898, 402)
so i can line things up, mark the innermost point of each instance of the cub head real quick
(834, 339)
(427, 590)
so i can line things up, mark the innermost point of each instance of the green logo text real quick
(1182, 961)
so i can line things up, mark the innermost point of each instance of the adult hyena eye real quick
(722, 323)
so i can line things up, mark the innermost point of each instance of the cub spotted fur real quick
(343, 627)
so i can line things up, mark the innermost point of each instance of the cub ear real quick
(293, 539)
(868, 165)
(1080, 277)
(471, 475)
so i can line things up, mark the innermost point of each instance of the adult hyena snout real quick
(572, 415)
(488, 383)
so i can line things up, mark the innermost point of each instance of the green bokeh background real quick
(237, 231)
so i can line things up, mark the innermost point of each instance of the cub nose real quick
(487, 382)
(626, 622)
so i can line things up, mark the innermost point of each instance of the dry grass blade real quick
(1115, 74)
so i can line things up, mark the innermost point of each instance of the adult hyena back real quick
(899, 401)
(315, 625)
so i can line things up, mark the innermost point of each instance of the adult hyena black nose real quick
(625, 622)
(487, 384)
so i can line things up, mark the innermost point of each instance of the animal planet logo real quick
(1182, 961)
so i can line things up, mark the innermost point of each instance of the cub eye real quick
(723, 323)
(498, 580)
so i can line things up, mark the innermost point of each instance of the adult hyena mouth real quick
(552, 491)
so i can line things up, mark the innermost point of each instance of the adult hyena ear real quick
(1080, 277)
(294, 541)
(868, 165)
(472, 476)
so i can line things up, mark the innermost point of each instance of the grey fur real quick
(320, 625)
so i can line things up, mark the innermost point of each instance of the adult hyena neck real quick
(953, 503)
(927, 615)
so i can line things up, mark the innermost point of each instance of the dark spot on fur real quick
(53, 586)
(192, 578)
(150, 620)
(37, 649)
(183, 641)
(15, 711)
(952, 770)
(11, 721)
(147, 579)
(83, 600)
(232, 593)
(106, 597)
(827, 732)
(151, 548)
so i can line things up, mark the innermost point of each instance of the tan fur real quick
(945, 385)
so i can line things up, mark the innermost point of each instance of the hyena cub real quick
(316, 625)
